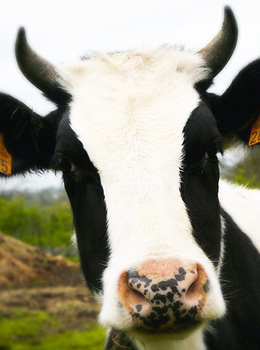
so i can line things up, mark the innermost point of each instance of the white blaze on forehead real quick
(129, 111)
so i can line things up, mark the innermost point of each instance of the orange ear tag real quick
(5, 158)
(255, 133)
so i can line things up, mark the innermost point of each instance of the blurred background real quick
(43, 301)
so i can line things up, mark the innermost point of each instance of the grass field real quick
(37, 330)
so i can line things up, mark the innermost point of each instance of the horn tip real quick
(228, 10)
(21, 33)
(20, 40)
(231, 19)
(229, 15)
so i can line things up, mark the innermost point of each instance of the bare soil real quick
(23, 265)
(33, 280)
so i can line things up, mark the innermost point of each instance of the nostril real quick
(136, 296)
(136, 299)
(130, 296)
(140, 290)
(193, 285)
(191, 290)
(135, 288)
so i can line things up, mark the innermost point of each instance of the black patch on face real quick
(165, 284)
(138, 308)
(88, 205)
(181, 275)
(154, 288)
(170, 297)
(199, 180)
(206, 286)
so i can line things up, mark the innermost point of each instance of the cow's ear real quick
(238, 109)
(27, 140)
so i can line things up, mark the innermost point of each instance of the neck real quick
(240, 271)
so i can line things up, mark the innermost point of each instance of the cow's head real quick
(136, 136)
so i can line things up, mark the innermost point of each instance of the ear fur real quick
(29, 138)
(239, 107)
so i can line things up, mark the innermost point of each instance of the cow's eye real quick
(64, 164)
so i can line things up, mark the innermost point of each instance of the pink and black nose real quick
(162, 294)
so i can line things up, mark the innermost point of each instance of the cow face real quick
(136, 147)
(136, 136)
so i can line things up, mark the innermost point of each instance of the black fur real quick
(29, 138)
(239, 329)
(199, 179)
(88, 205)
(239, 107)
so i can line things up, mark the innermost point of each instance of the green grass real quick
(73, 258)
(40, 331)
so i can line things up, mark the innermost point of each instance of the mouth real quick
(175, 332)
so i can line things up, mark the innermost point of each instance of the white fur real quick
(194, 342)
(129, 110)
(222, 244)
(243, 205)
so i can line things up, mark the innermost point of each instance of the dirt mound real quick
(23, 265)
(73, 306)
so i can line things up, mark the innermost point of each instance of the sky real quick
(62, 31)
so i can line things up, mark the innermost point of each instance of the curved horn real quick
(218, 52)
(37, 70)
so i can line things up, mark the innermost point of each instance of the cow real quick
(169, 250)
